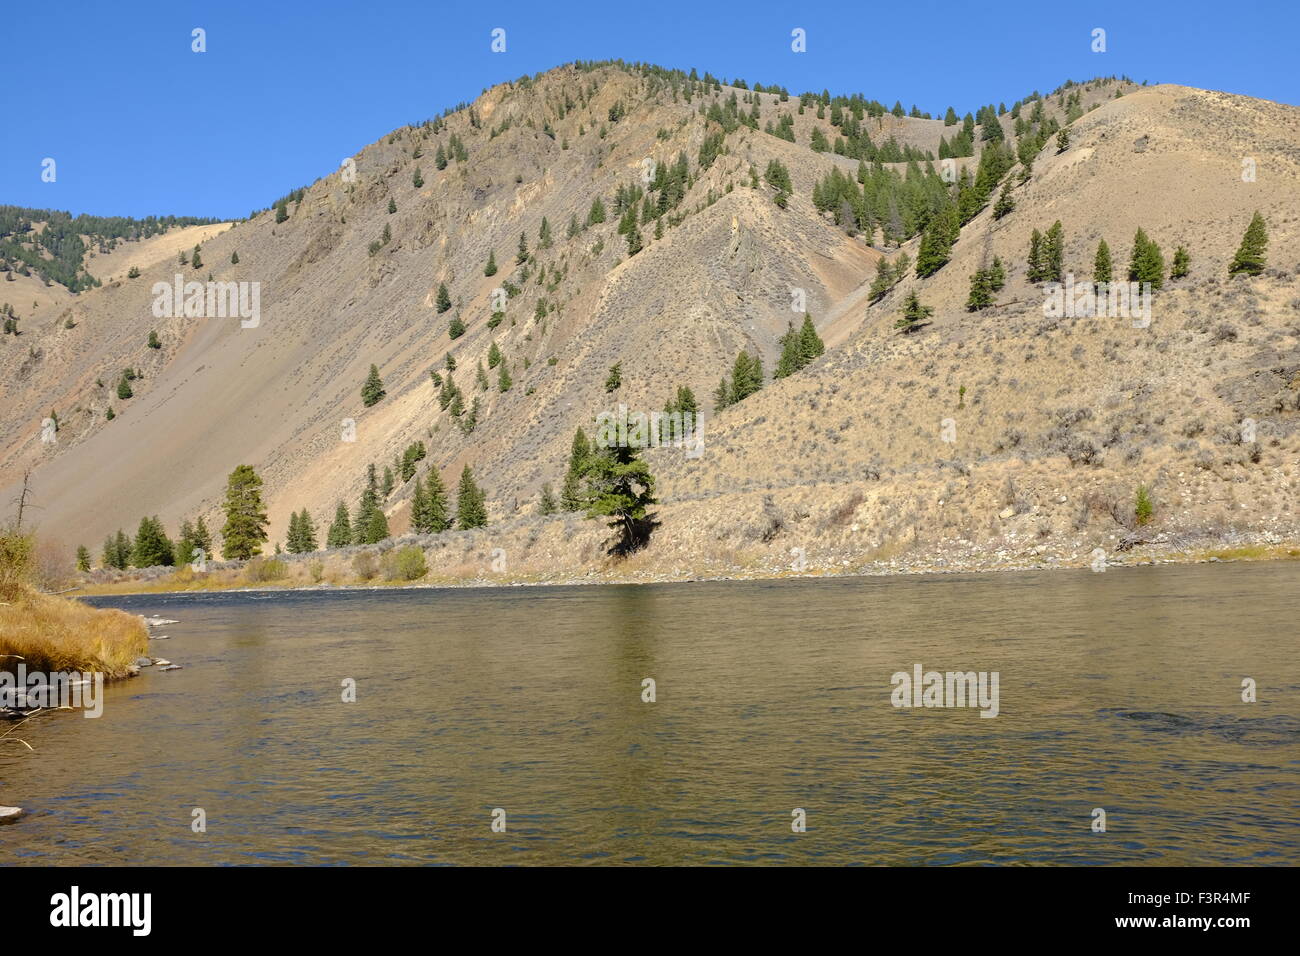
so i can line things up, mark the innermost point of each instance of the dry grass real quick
(52, 633)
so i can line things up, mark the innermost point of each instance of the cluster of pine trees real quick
(301, 538)
(889, 274)
(798, 348)
(746, 378)
(984, 283)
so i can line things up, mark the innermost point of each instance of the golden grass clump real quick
(53, 633)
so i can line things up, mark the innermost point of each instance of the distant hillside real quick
(666, 222)
(54, 245)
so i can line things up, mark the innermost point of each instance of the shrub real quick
(1143, 510)
(363, 566)
(406, 564)
(265, 569)
(17, 555)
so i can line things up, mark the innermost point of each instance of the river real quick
(1119, 691)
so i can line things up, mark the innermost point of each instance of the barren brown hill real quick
(1060, 421)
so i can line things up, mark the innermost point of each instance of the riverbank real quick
(333, 570)
(48, 633)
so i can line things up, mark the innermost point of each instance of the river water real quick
(1118, 691)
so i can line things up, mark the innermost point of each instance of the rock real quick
(171, 667)
(143, 662)
(10, 814)
(1007, 512)
(160, 637)
(161, 662)
(157, 621)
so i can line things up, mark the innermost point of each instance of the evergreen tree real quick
(521, 256)
(491, 268)
(1052, 262)
(547, 505)
(997, 275)
(544, 234)
(306, 532)
(292, 537)
(1034, 271)
(377, 527)
(83, 558)
(185, 544)
(937, 241)
(621, 489)
(615, 378)
(1005, 203)
(1102, 269)
(913, 313)
(392, 205)
(1250, 256)
(1182, 263)
(471, 503)
(366, 509)
(455, 328)
(434, 518)
(373, 389)
(388, 483)
(234, 258)
(340, 532)
(981, 291)
(571, 493)
(1062, 140)
(1146, 264)
(245, 527)
(444, 298)
(597, 212)
(152, 548)
(494, 356)
(503, 380)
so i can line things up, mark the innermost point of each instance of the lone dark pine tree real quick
(245, 528)
(1250, 254)
(373, 390)
(621, 489)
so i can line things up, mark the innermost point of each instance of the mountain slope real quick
(860, 425)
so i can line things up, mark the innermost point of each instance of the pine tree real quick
(1182, 263)
(306, 532)
(1250, 257)
(544, 234)
(597, 212)
(622, 490)
(521, 256)
(444, 298)
(340, 532)
(417, 178)
(195, 260)
(913, 313)
(281, 211)
(615, 378)
(373, 389)
(1034, 271)
(1052, 262)
(1146, 264)
(1102, 268)
(292, 537)
(83, 558)
(366, 508)
(245, 527)
(152, 547)
(1005, 203)
(388, 483)
(471, 507)
(376, 527)
(1062, 140)
(494, 356)
(571, 493)
(937, 241)
(435, 517)
(547, 504)
(455, 328)
(491, 268)
(981, 291)
(884, 280)
(503, 380)
(185, 544)
(234, 258)
(997, 275)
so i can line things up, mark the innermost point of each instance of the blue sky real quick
(138, 124)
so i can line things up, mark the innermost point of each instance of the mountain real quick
(844, 463)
